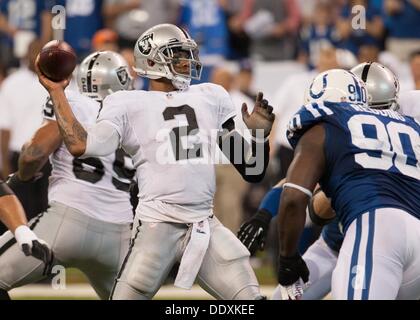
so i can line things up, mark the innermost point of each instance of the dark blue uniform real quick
(25, 15)
(372, 157)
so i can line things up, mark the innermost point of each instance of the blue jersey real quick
(404, 24)
(206, 23)
(83, 19)
(372, 157)
(360, 37)
(333, 235)
(25, 14)
(313, 39)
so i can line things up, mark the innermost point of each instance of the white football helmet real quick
(159, 48)
(382, 85)
(337, 85)
(102, 73)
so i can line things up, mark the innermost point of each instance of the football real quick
(57, 60)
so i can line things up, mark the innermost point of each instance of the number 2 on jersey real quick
(177, 133)
(387, 145)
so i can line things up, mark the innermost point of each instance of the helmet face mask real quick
(179, 57)
(102, 73)
(167, 51)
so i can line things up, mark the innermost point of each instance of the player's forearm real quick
(72, 132)
(11, 212)
(31, 160)
(250, 160)
(291, 221)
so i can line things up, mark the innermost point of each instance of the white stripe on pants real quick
(380, 257)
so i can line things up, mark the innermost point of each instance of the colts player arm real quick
(253, 158)
(306, 169)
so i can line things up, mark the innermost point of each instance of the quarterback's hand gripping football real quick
(261, 117)
(253, 232)
(48, 84)
(32, 246)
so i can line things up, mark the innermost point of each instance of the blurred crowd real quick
(274, 46)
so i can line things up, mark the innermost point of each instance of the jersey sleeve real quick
(114, 112)
(308, 116)
(227, 109)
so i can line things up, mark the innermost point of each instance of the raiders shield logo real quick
(144, 44)
(122, 75)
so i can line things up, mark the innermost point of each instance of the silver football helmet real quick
(158, 51)
(382, 85)
(102, 73)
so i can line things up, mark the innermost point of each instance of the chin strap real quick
(181, 83)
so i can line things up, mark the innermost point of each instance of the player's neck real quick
(162, 84)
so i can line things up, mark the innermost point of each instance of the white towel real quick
(193, 255)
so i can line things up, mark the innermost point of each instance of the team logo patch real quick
(122, 75)
(144, 44)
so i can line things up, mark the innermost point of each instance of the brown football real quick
(57, 60)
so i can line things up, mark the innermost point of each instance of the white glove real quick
(294, 291)
(32, 246)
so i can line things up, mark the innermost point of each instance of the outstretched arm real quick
(306, 169)
(250, 160)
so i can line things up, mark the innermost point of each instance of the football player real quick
(88, 222)
(321, 257)
(366, 161)
(168, 131)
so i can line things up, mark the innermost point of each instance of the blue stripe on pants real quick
(354, 257)
(369, 256)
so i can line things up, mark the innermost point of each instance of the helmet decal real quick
(324, 86)
(144, 44)
(122, 75)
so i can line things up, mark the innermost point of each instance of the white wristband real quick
(297, 187)
(24, 235)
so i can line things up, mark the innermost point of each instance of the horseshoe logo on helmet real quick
(324, 86)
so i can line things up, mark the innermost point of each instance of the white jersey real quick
(172, 138)
(410, 103)
(98, 187)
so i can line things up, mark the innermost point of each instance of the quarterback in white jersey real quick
(172, 132)
(88, 222)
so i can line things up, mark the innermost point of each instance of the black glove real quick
(291, 269)
(41, 251)
(253, 232)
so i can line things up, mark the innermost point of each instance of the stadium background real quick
(274, 46)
